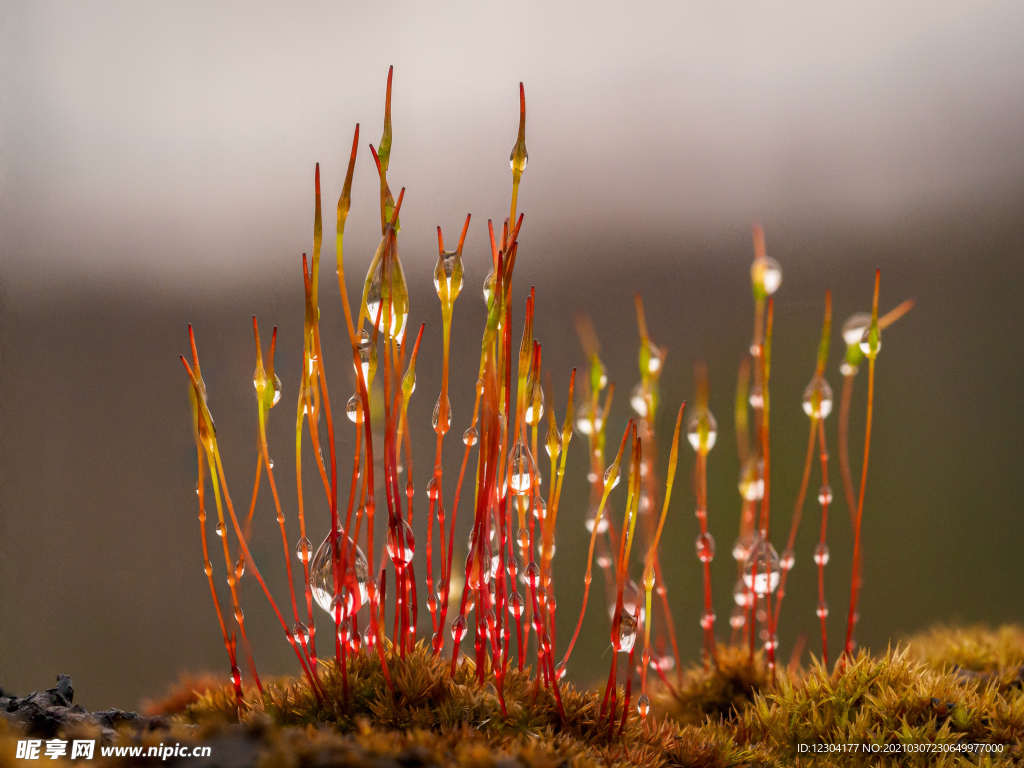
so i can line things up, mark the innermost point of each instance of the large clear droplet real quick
(751, 483)
(627, 632)
(301, 633)
(489, 288)
(354, 583)
(788, 559)
(854, 327)
(521, 470)
(277, 391)
(818, 398)
(435, 419)
(766, 273)
(865, 342)
(702, 431)
(399, 309)
(469, 437)
(761, 570)
(822, 609)
(516, 605)
(643, 705)
(401, 543)
(612, 476)
(534, 393)
(459, 629)
(638, 399)
(448, 269)
(825, 495)
(354, 409)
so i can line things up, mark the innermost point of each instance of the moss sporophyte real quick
(504, 664)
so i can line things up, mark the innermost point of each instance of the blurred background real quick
(156, 169)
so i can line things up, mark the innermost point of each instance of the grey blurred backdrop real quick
(156, 168)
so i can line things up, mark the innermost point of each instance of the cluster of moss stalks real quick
(947, 686)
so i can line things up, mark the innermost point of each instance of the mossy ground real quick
(946, 687)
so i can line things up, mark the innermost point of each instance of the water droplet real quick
(437, 642)
(825, 495)
(354, 409)
(533, 575)
(354, 583)
(459, 629)
(611, 475)
(301, 632)
(534, 392)
(469, 437)
(761, 569)
(435, 420)
(401, 544)
(208, 568)
(818, 398)
(399, 293)
(627, 632)
(756, 397)
(821, 554)
(240, 567)
(432, 492)
(705, 547)
(771, 642)
(643, 705)
(702, 431)
(448, 269)
(540, 508)
(741, 594)
(865, 342)
(854, 327)
(602, 560)
(521, 470)
(707, 620)
(277, 391)
(522, 539)
(766, 274)
(270, 463)
(221, 529)
(638, 399)
(553, 443)
(489, 288)
(787, 560)
(847, 369)
(822, 609)
(239, 615)
(516, 605)
(737, 618)
(751, 482)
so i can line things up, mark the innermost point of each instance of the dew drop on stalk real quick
(627, 632)
(301, 633)
(825, 495)
(756, 397)
(611, 475)
(702, 431)
(854, 327)
(822, 609)
(533, 390)
(489, 288)
(459, 628)
(364, 354)
(771, 642)
(821, 554)
(787, 560)
(240, 567)
(560, 670)
(553, 443)
(818, 398)
(532, 574)
(208, 568)
(707, 620)
(766, 273)
(448, 269)
(602, 560)
(586, 425)
(865, 342)
(270, 463)
(751, 483)
(354, 583)
(221, 529)
(738, 617)
(277, 391)
(354, 409)
(435, 420)
(437, 642)
(705, 547)
(638, 399)
(761, 569)
(540, 509)
(469, 437)
(239, 615)
(521, 469)
(522, 539)
(516, 604)
(655, 360)
(432, 491)
(400, 542)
